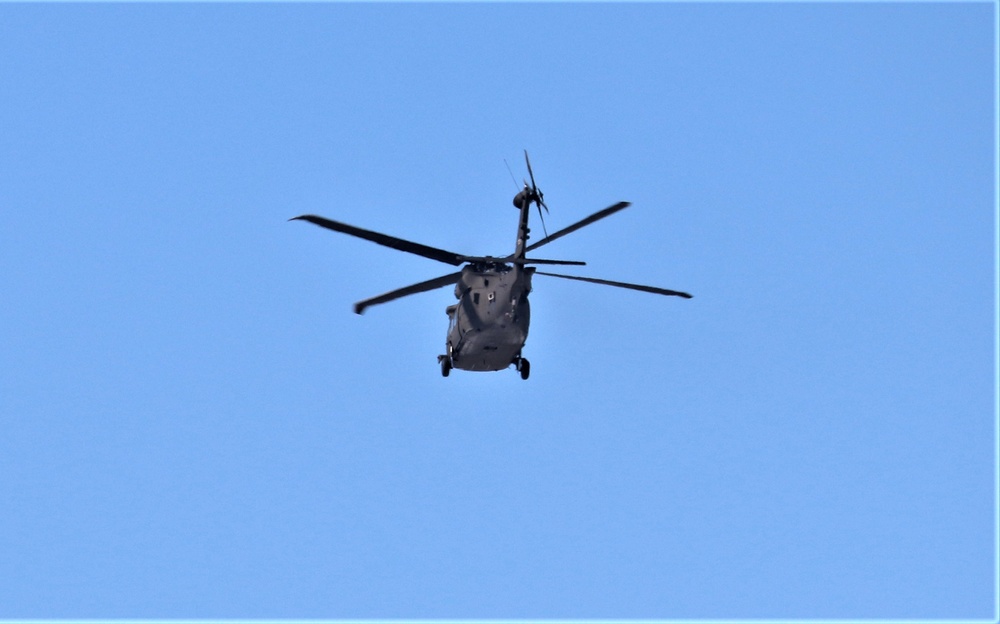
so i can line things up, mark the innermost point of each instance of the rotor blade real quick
(513, 260)
(437, 282)
(649, 289)
(610, 210)
(534, 186)
(537, 261)
(448, 257)
(534, 189)
(542, 218)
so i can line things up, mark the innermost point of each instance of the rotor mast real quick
(523, 201)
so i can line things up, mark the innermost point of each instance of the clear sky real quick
(195, 424)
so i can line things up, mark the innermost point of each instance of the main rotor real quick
(528, 195)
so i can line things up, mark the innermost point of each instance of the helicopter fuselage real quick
(488, 326)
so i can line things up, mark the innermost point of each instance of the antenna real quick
(513, 179)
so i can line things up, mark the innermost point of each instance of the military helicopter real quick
(488, 326)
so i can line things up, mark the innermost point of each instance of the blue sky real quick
(195, 424)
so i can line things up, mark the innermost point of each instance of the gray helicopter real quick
(488, 326)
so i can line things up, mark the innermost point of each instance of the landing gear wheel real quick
(445, 367)
(525, 368)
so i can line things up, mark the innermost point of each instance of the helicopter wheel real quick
(525, 368)
(445, 367)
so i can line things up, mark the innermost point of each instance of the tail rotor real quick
(536, 194)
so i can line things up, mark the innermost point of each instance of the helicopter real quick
(488, 326)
